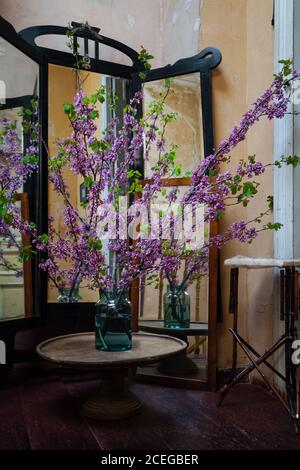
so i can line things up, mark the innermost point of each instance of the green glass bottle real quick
(113, 322)
(68, 295)
(176, 307)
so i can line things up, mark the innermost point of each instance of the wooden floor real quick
(40, 409)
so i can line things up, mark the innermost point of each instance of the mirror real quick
(18, 109)
(186, 130)
(153, 297)
(62, 89)
(187, 133)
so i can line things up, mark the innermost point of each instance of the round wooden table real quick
(113, 400)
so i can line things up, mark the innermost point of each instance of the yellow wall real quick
(242, 30)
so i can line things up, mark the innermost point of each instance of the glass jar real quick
(68, 294)
(113, 322)
(176, 307)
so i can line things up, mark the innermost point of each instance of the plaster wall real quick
(246, 42)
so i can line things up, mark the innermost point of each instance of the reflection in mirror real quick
(186, 130)
(151, 304)
(18, 160)
(153, 296)
(62, 89)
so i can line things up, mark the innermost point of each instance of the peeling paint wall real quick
(179, 25)
(242, 30)
(167, 28)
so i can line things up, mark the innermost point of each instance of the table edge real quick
(110, 365)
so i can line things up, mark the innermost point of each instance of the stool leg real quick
(233, 308)
(237, 378)
(263, 376)
(297, 417)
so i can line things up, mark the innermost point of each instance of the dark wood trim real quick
(209, 58)
(8, 33)
(83, 31)
(65, 59)
(87, 33)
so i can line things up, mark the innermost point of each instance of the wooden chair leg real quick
(246, 371)
(233, 308)
(255, 364)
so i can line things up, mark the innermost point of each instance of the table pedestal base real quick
(113, 401)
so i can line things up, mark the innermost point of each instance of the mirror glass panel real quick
(186, 130)
(19, 76)
(152, 295)
(62, 89)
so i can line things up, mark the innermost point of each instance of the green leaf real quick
(2, 209)
(142, 75)
(95, 146)
(168, 81)
(69, 110)
(95, 243)
(177, 170)
(249, 189)
(293, 160)
(270, 201)
(88, 181)
(44, 238)
(104, 145)
(30, 159)
(274, 226)
(134, 174)
(8, 218)
(94, 114)
(237, 178)
(251, 158)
